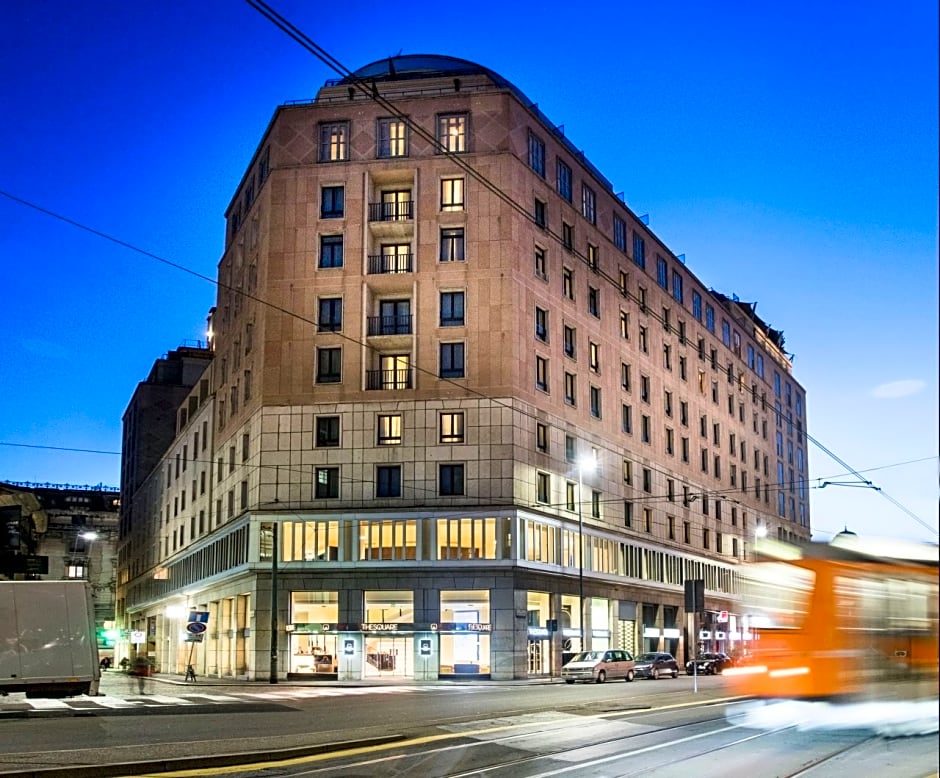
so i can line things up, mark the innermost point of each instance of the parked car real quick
(709, 663)
(655, 665)
(598, 666)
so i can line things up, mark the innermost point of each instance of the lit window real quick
(452, 428)
(389, 430)
(452, 132)
(334, 142)
(452, 194)
(393, 138)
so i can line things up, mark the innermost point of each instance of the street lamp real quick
(588, 463)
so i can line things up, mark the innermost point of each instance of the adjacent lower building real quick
(465, 413)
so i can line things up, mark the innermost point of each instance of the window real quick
(452, 430)
(569, 448)
(331, 314)
(452, 244)
(645, 388)
(541, 324)
(396, 206)
(628, 472)
(332, 202)
(567, 283)
(594, 302)
(644, 340)
(537, 154)
(334, 142)
(667, 403)
(542, 487)
(588, 204)
(452, 194)
(594, 357)
(452, 309)
(388, 481)
(570, 495)
(645, 429)
(326, 483)
(625, 325)
(563, 180)
(626, 419)
(726, 333)
(625, 381)
(570, 341)
(541, 437)
(620, 233)
(541, 373)
(452, 360)
(329, 365)
(595, 402)
(662, 272)
(450, 480)
(395, 258)
(595, 504)
(389, 429)
(567, 235)
(592, 257)
(394, 318)
(709, 318)
(540, 263)
(331, 251)
(392, 138)
(540, 213)
(677, 294)
(570, 389)
(327, 431)
(697, 306)
(639, 250)
(452, 132)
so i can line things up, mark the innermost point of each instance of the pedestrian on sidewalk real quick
(190, 673)
(140, 669)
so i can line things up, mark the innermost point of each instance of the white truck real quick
(48, 645)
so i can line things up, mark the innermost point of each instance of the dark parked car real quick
(656, 665)
(709, 663)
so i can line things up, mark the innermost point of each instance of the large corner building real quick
(465, 413)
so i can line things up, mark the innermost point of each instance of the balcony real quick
(399, 211)
(383, 264)
(389, 325)
(399, 378)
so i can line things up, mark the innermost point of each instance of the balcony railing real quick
(384, 263)
(400, 378)
(389, 325)
(399, 211)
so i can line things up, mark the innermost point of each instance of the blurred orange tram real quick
(840, 621)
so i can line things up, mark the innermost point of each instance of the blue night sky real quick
(790, 151)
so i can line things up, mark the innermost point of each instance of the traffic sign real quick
(195, 627)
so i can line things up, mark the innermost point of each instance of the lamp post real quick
(589, 464)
